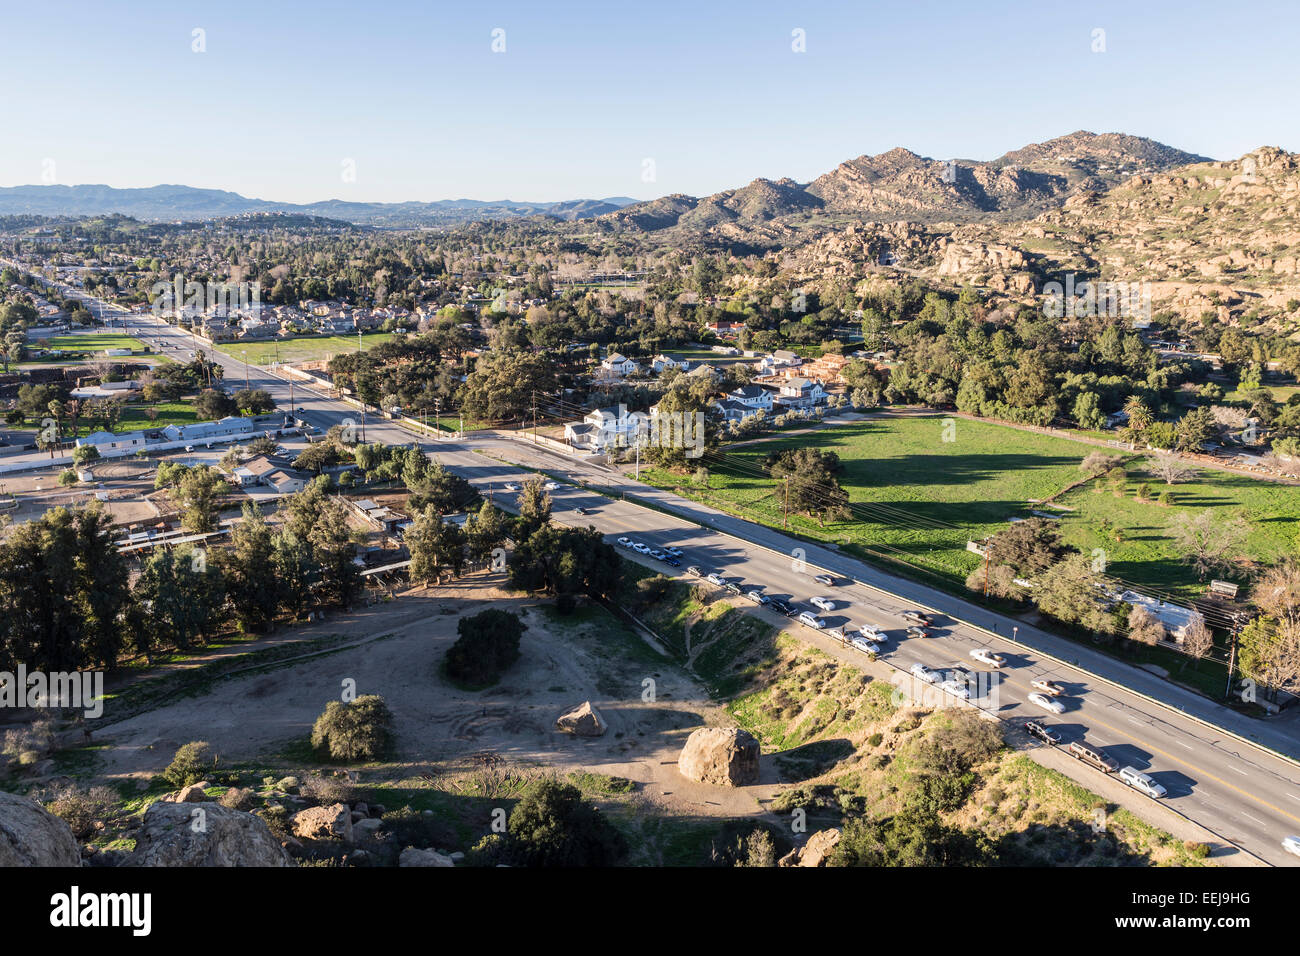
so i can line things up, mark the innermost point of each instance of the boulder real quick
(324, 823)
(192, 794)
(413, 857)
(819, 847)
(32, 836)
(723, 756)
(583, 720)
(204, 834)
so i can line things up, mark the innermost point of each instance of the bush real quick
(327, 790)
(553, 826)
(1198, 850)
(82, 809)
(360, 730)
(488, 644)
(193, 762)
(875, 739)
(237, 798)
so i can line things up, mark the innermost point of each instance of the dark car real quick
(669, 560)
(734, 587)
(919, 617)
(776, 604)
(1040, 731)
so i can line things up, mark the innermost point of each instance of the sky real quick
(547, 101)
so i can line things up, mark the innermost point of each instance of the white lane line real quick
(1240, 771)
(1256, 819)
(1182, 744)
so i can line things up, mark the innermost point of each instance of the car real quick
(864, 645)
(640, 548)
(825, 603)
(1144, 782)
(657, 554)
(825, 580)
(511, 486)
(957, 688)
(675, 552)
(758, 597)
(695, 570)
(734, 587)
(837, 633)
(782, 607)
(1042, 732)
(921, 672)
(809, 619)
(918, 617)
(1093, 756)
(1291, 844)
(715, 579)
(1047, 687)
(1055, 706)
(672, 562)
(550, 486)
(624, 542)
(918, 632)
(581, 511)
(871, 632)
(986, 656)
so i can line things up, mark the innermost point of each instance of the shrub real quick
(360, 730)
(1198, 850)
(488, 644)
(553, 826)
(875, 739)
(82, 809)
(193, 762)
(327, 790)
(237, 798)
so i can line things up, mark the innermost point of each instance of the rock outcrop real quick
(415, 857)
(32, 836)
(205, 834)
(333, 822)
(583, 720)
(816, 852)
(725, 757)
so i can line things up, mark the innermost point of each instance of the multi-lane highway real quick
(1245, 793)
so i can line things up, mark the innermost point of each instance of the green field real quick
(135, 417)
(924, 497)
(94, 342)
(301, 350)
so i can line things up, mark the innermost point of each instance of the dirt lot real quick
(587, 656)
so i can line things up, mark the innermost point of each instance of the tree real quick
(213, 404)
(534, 508)
(1027, 547)
(487, 644)
(435, 545)
(1069, 591)
(297, 573)
(1206, 543)
(333, 544)
(1170, 469)
(811, 483)
(1194, 430)
(552, 826)
(1099, 462)
(253, 401)
(1197, 639)
(250, 570)
(564, 561)
(1269, 655)
(358, 730)
(485, 532)
(184, 594)
(1088, 413)
(198, 490)
(1144, 627)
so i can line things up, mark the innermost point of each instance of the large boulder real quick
(724, 756)
(205, 834)
(32, 836)
(583, 720)
(816, 852)
(412, 856)
(324, 823)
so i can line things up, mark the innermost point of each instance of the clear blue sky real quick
(412, 93)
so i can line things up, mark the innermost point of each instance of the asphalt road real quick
(1245, 794)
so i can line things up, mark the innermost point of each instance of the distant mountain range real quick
(892, 186)
(169, 203)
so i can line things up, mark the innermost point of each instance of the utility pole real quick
(986, 572)
(534, 416)
(785, 514)
(1232, 654)
(638, 460)
(245, 354)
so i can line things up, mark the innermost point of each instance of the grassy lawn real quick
(301, 350)
(95, 342)
(924, 497)
(168, 413)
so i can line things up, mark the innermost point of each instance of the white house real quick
(604, 428)
(799, 393)
(662, 363)
(745, 402)
(616, 364)
(108, 444)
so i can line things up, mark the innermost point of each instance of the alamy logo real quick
(1130, 300)
(217, 299)
(78, 689)
(105, 910)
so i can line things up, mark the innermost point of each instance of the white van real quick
(871, 632)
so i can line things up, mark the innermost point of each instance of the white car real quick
(871, 632)
(957, 688)
(1047, 687)
(825, 603)
(1055, 706)
(511, 486)
(837, 633)
(1291, 844)
(1138, 780)
(550, 486)
(864, 645)
(921, 672)
(715, 579)
(986, 656)
(809, 619)
(758, 597)
(625, 542)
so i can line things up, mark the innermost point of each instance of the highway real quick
(1244, 793)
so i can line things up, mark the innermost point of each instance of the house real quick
(603, 428)
(122, 390)
(774, 361)
(704, 370)
(108, 444)
(1175, 618)
(663, 363)
(230, 428)
(745, 402)
(618, 365)
(798, 393)
(828, 369)
(725, 326)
